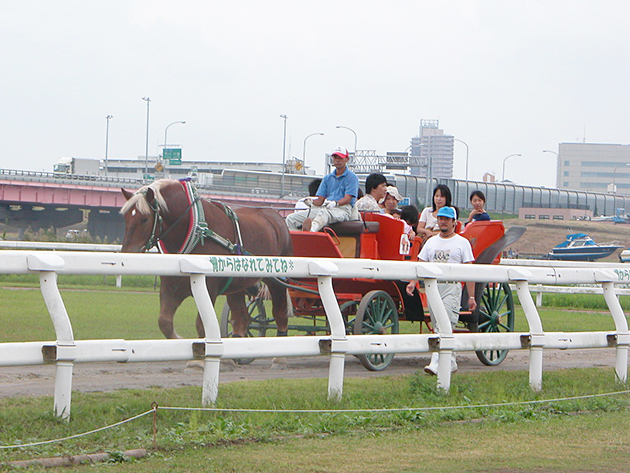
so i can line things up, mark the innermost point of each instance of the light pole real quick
(108, 118)
(304, 150)
(466, 145)
(284, 147)
(355, 137)
(504, 160)
(557, 165)
(146, 149)
(615, 176)
(166, 131)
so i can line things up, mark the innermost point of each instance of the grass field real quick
(590, 434)
(583, 434)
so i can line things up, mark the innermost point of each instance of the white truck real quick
(81, 166)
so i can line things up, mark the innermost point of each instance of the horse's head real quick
(142, 213)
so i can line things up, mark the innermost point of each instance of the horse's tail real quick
(264, 294)
(290, 312)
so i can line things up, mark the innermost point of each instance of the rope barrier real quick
(83, 434)
(154, 409)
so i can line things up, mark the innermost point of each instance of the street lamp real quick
(146, 149)
(355, 137)
(615, 176)
(108, 118)
(304, 150)
(557, 165)
(284, 147)
(166, 131)
(504, 160)
(466, 145)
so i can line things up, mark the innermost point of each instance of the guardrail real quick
(622, 271)
(66, 351)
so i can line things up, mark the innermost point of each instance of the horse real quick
(169, 214)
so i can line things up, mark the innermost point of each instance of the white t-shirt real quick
(427, 217)
(455, 249)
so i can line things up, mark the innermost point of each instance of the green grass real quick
(561, 436)
(553, 436)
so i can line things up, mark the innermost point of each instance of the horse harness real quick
(198, 229)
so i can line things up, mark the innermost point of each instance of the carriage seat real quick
(353, 228)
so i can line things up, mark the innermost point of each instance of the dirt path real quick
(98, 377)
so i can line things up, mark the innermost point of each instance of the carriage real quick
(371, 306)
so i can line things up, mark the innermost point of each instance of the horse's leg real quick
(240, 316)
(280, 305)
(280, 310)
(173, 291)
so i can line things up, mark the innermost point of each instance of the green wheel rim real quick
(257, 327)
(496, 314)
(377, 314)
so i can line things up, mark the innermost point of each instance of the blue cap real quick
(447, 212)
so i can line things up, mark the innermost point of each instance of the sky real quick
(506, 77)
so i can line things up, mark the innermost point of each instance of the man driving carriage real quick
(447, 247)
(335, 200)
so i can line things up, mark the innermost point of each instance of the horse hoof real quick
(227, 365)
(196, 364)
(279, 364)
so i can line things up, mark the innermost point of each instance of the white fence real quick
(66, 351)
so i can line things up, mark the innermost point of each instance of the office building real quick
(432, 152)
(594, 167)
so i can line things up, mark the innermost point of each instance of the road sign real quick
(173, 156)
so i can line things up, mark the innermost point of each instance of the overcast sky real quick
(504, 76)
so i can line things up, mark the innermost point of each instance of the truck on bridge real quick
(83, 166)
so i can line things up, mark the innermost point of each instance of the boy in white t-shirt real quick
(447, 247)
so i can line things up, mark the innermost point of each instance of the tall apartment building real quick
(431, 148)
(594, 167)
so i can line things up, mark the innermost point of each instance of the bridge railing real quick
(65, 351)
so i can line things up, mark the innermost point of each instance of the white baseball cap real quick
(340, 151)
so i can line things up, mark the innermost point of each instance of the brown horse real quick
(163, 213)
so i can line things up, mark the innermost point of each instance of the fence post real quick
(444, 330)
(339, 345)
(621, 324)
(213, 344)
(539, 295)
(65, 349)
(520, 278)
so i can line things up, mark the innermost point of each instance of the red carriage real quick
(372, 306)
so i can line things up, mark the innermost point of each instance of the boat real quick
(581, 247)
(624, 256)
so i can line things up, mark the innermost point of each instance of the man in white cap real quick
(335, 198)
(447, 247)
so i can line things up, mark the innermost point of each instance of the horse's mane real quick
(141, 204)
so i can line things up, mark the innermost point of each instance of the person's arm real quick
(473, 212)
(470, 287)
(413, 283)
(411, 286)
(319, 201)
(346, 199)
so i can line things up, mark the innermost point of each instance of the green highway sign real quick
(173, 156)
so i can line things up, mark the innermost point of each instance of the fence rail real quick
(65, 351)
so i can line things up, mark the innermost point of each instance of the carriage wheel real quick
(258, 323)
(496, 314)
(376, 314)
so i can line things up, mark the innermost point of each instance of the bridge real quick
(40, 200)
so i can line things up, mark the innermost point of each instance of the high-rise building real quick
(432, 152)
(594, 167)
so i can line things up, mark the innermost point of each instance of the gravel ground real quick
(97, 377)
